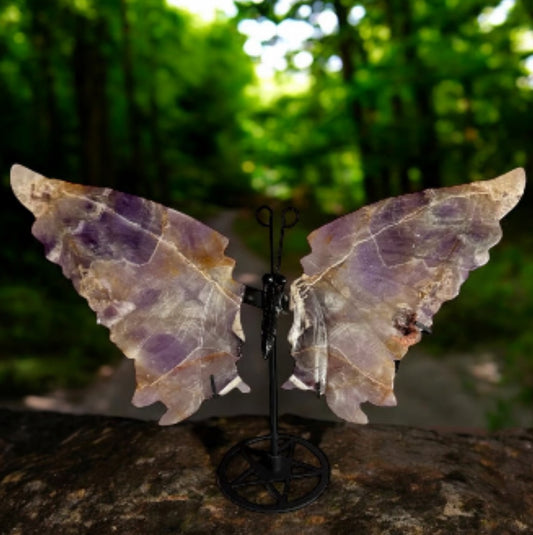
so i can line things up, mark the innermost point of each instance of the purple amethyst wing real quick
(156, 278)
(376, 277)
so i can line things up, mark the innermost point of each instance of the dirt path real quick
(456, 391)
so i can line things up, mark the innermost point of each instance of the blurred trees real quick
(130, 94)
(404, 94)
(401, 94)
(398, 95)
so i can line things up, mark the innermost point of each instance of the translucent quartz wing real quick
(156, 278)
(377, 276)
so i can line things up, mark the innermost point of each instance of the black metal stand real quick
(276, 472)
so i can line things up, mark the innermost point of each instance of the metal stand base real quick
(250, 476)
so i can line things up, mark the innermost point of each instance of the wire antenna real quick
(287, 221)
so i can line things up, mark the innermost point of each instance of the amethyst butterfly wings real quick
(159, 280)
(376, 277)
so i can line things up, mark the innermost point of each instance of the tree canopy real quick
(399, 95)
(403, 94)
(130, 94)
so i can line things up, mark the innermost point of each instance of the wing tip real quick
(21, 178)
(20, 174)
(515, 178)
(16, 168)
(17, 175)
(508, 189)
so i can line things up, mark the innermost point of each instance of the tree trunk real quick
(90, 72)
(374, 180)
(159, 183)
(48, 131)
(134, 167)
(419, 150)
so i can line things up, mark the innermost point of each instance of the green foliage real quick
(131, 94)
(47, 342)
(298, 149)
(428, 94)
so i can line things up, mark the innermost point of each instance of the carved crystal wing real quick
(376, 277)
(155, 277)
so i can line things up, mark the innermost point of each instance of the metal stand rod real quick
(291, 472)
(273, 385)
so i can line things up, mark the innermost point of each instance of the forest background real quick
(378, 98)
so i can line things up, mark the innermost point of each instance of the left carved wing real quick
(376, 277)
(155, 277)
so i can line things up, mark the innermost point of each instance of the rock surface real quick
(65, 474)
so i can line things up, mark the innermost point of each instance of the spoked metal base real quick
(250, 476)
